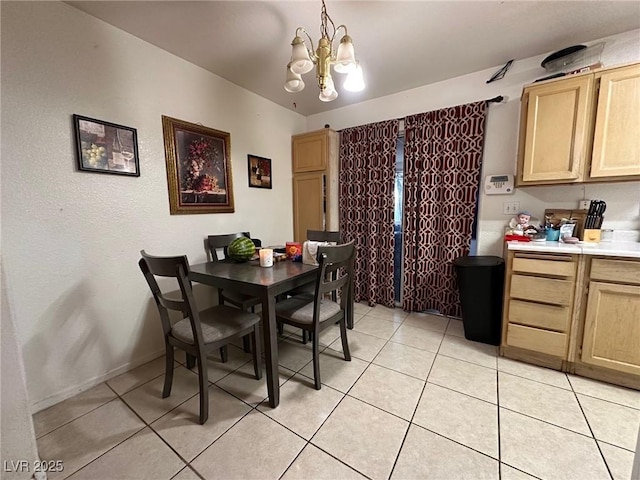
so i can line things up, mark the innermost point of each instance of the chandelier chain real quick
(327, 56)
(324, 16)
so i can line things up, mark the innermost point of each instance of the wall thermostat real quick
(499, 184)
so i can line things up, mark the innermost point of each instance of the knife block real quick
(591, 235)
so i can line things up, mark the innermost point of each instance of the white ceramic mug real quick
(266, 257)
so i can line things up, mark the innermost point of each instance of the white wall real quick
(71, 239)
(623, 199)
(17, 437)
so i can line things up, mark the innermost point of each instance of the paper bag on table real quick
(310, 252)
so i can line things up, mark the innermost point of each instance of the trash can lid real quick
(478, 261)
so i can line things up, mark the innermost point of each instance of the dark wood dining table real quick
(263, 282)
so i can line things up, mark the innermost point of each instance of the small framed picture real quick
(105, 147)
(259, 171)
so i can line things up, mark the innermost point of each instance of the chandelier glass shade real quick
(326, 55)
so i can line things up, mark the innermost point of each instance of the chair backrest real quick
(323, 236)
(173, 267)
(335, 273)
(216, 242)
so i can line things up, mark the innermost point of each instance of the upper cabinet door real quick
(616, 147)
(310, 151)
(557, 122)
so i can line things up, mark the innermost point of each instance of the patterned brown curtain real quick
(442, 153)
(367, 172)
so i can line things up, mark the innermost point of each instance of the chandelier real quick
(343, 60)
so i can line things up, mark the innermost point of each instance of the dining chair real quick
(314, 314)
(316, 236)
(215, 243)
(323, 236)
(198, 333)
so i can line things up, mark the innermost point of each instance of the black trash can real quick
(481, 284)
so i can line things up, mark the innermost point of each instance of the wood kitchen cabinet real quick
(315, 182)
(577, 313)
(616, 149)
(538, 307)
(610, 347)
(581, 128)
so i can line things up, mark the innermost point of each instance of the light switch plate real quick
(510, 208)
(584, 204)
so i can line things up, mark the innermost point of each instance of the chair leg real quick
(304, 336)
(246, 344)
(316, 361)
(343, 338)
(257, 351)
(246, 341)
(224, 354)
(191, 361)
(204, 389)
(280, 328)
(168, 371)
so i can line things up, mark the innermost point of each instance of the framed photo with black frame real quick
(105, 147)
(259, 169)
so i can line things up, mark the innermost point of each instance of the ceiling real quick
(400, 45)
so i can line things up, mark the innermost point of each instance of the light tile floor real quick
(417, 401)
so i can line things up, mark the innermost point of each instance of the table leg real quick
(270, 335)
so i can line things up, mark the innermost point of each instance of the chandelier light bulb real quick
(345, 58)
(300, 61)
(329, 93)
(355, 80)
(294, 82)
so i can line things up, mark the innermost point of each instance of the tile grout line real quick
(211, 384)
(345, 394)
(307, 442)
(148, 425)
(547, 422)
(606, 464)
(145, 425)
(404, 439)
(369, 363)
(187, 463)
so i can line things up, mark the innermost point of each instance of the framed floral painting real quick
(198, 168)
(259, 171)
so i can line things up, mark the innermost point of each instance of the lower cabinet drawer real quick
(543, 341)
(551, 317)
(539, 289)
(619, 271)
(562, 266)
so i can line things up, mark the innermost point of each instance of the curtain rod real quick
(498, 99)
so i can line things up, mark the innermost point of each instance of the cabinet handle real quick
(544, 257)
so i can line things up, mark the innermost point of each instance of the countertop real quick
(611, 249)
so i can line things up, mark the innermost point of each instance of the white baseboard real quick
(76, 389)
